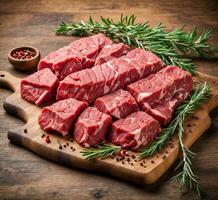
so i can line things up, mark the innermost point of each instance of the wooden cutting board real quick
(145, 171)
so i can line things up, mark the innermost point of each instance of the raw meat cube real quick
(86, 85)
(110, 52)
(163, 84)
(160, 93)
(78, 55)
(91, 127)
(118, 104)
(39, 87)
(135, 131)
(60, 116)
(145, 62)
(108, 77)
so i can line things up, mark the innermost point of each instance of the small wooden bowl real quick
(24, 64)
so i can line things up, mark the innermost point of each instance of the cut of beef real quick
(91, 127)
(145, 62)
(160, 93)
(39, 87)
(111, 51)
(76, 56)
(118, 104)
(135, 131)
(61, 115)
(163, 110)
(89, 84)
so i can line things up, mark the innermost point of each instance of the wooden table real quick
(24, 175)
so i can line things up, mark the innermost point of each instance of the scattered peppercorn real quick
(65, 146)
(47, 139)
(25, 130)
(163, 157)
(123, 162)
(152, 162)
(111, 156)
(133, 156)
(132, 164)
(60, 147)
(141, 164)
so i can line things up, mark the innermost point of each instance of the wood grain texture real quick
(25, 176)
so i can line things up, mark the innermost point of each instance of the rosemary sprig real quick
(167, 45)
(100, 152)
(186, 177)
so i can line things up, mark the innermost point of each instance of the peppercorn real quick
(23, 54)
(47, 139)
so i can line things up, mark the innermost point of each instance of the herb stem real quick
(186, 177)
(169, 46)
(101, 152)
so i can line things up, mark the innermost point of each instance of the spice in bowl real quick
(24, 58)
(23, 54)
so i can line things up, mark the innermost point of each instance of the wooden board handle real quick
(9, 81)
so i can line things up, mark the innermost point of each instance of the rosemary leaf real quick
(169, 46)
(101, 152)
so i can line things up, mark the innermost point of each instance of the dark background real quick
(24, 175)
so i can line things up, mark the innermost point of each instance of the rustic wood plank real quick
(27, 176)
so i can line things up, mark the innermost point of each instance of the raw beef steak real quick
(39, 87)
(60, 116)
(118, 104)
(111, 51)
(91, 127)
(135, 131)
(76, 56)
(89, 84)
(160, 93)
(163, 110)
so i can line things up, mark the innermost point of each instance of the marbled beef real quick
(39, 87)
(135, 131)
(118, 104)
(110, 52)
(89, 84)
(78, 55)
(160, 93)
(60, 116)
(91, 127)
